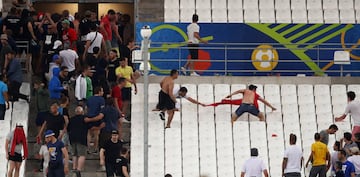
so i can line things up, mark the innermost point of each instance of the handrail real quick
(225, 60)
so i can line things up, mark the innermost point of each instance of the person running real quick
(193, 31)
(353, 108)
(167, 99)
(250, 97)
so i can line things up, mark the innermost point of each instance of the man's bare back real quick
(248, 96)
(167, 85)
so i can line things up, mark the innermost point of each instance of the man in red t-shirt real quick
(116, 93)
(69, 36)
(105, 28)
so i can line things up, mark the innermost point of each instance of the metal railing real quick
(235, 58)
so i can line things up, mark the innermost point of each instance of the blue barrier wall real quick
(293, 48)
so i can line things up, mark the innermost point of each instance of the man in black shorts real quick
(15, 141)
(167, 99)
(249, 103)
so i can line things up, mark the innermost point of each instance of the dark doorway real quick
(93, 7)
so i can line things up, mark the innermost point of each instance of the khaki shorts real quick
(78, 149)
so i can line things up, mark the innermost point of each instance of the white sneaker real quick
(123, 120)
(194, 74)
(183, 70)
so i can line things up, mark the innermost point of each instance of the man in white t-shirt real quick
(293, 158)
(353, 108)
(193, 31)
(254, 166)
(180, 93)
(44, 154)
(70, 60)
(93, 39)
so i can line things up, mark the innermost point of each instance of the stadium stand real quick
(203, 136)
(263, 11)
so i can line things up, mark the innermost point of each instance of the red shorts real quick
(356, 129)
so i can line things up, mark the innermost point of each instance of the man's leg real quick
(322, 171)
(11, 168)
(356, 129)
(89, 135)
(17, 169)
(81, 163)
(234, 117)
(2, 111)
(261, 116)
(314, 171)
(75, 162)
(170, 117)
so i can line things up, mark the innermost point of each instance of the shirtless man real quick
(249, 99)
(167, 99)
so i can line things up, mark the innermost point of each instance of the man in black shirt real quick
(109, 153)
(77, 130)
(114, 62)
(54, 121)
(13, 23)
(123, 163)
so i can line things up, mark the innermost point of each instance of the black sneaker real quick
(162, 115)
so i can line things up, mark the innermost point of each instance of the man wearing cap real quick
(254, 166)
(355, 160)
(55, 85)
(69, 36)
(110, 152)
(249, 103)
(59, 158)
(55, 63)
(105, 28)
(4, 49)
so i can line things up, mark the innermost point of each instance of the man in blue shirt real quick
(4, 99)
(347, 167)
(14, 76)
(59, 158)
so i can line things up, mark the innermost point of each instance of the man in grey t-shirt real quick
(324, 134)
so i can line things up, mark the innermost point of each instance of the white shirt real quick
(355, 159)
(45, 153)
(69, 57)
(97, 42)
(191, 29)
(354, 109)
(176, 93)
(52, 65)
(80, 88)
(253, 167)
(293, 154)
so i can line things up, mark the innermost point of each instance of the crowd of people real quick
(87, 62)
(83, 81)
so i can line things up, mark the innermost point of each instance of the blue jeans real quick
(56, 172)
